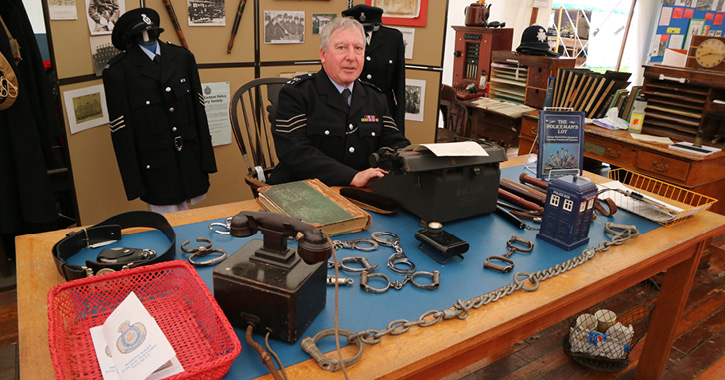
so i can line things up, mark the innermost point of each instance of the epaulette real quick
(115, 59)
(298, 79)
(370, 84)
(175, 45)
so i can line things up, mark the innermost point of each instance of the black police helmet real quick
(535, 42)
(365, 14)
(132, 23)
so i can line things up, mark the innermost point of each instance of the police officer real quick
(318, 132)
(384, 58)
(158, 124)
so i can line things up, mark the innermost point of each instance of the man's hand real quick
(367, 176)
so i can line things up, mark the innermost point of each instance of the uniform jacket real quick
(316, 137)
(385, 68)
(158, 125)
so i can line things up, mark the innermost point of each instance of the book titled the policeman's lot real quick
(561, 144)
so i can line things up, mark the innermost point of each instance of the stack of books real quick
(584, 90)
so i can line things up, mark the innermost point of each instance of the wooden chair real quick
(252, 112)
(456, 120)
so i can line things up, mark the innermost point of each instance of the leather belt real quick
(106, 231)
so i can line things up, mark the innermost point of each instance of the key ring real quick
(397, 258)
(202, 251)
(226, 226)
(359, 244)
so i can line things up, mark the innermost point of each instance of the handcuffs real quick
(505, 258)
(202, 251)
(226, 226)
(399, 256)
(366, 267)
(364, 276)
(359, 244)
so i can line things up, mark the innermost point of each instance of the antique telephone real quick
(264, 283)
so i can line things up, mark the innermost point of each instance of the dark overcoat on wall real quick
(158, 125)
(26, 131)
(385, 68)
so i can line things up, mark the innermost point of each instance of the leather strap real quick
(110, 230)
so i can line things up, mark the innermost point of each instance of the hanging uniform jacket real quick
(158, 125)
(385, 68)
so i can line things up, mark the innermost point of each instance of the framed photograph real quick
(414, 99)
(284, 27)
(206, 13)
(86, 108)
(320, 20)
(405, 12)
(103, 14)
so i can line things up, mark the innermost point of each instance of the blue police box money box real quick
(568, 212)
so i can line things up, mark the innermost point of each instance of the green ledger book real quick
(313, 202)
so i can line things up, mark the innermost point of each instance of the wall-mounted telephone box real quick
(472, 55)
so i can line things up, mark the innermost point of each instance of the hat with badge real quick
(134, 22)
(535, 42)
(365, 14)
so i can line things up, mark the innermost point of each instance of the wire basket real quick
(659, 201)
(172, 292)
(602, 336)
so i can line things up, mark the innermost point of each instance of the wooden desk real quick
(701, 174)
(432, 352)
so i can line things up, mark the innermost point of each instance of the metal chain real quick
(620, 234)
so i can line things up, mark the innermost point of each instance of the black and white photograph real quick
(414, 99)
(320, 20)
(102, 50)
(705, 5)
(102, 15)
(206, 12)
(86, 108)
(284, 27)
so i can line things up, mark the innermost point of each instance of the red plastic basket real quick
(204, 341)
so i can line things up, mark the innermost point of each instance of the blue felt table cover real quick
(460, 278)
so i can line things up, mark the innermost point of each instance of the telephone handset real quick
(313, 245)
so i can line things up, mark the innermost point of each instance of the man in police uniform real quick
(384, 58)
(156, 110)
(320, 133)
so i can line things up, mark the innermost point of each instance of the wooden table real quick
(432, 352)
(701, 174)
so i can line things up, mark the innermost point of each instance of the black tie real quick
(156, 59)
(346, 96)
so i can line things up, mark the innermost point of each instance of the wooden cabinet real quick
(681, 102)
(523, 78)
(704, 175)
(474, 46)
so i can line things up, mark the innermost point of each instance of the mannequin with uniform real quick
(384, 58)
(158, 123)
